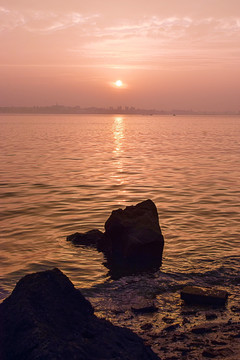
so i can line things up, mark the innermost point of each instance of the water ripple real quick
(63, 174)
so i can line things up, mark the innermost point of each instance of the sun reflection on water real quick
(118, 154)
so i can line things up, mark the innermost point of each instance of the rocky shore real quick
(176, 330)
(47, 318)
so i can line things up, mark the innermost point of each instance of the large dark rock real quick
(133, 237)
(46, 318)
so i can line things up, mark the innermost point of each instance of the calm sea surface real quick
(62, 174)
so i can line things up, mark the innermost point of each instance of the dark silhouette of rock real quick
(46, 318)
(204, 296)
(133, 238)
(90, 238)
(132, 242)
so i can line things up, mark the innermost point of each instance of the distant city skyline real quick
(63, 109)
(163, 55)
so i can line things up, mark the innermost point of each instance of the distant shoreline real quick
(67, 110)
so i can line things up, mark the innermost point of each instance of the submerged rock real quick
(133, 237)
(209, 296)
(45, 317)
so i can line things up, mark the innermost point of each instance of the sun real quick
(118, 83)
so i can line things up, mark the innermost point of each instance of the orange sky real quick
(169, 54)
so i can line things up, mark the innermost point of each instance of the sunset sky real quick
(168, 54)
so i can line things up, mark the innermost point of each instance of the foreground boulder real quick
(46, 318)
(133, 237)
(204, 296)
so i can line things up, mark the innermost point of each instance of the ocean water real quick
(65, 173)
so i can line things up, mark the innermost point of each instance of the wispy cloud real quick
(143, 41)
(155, 39)
(171, 28)
(42, 22)
(96, 26)
(10, 19)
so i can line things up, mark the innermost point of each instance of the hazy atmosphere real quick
(168, 55)
(119, 179)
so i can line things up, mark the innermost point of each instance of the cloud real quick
(96, 27)
(172, 28)
(148, 27)
(42, 22)
(144, 41)
(10, 19)
(165, 42)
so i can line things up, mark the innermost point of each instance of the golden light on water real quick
(118, 150)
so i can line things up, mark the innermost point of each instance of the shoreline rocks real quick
(204, 296)
(46, 317)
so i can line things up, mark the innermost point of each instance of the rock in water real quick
(133, 237)
(46, 318)
(90, 238)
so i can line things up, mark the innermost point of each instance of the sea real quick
(62, 174)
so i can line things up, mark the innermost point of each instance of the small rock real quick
(220, 353)
(186, 321)
(235, 309)
(204, 296)
(167, 320)
(202, 330)
(171, 327)
(144, 307)
(146, 326)
(216, 342)
(90, 238)
(180, 337)
(163, 348)
(211, 316)
(183, 350)
(209, 354)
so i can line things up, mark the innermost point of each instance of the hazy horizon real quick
(174, 55)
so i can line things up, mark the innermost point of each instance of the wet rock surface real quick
(46, 317)
(200, 295)
(178, 330)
